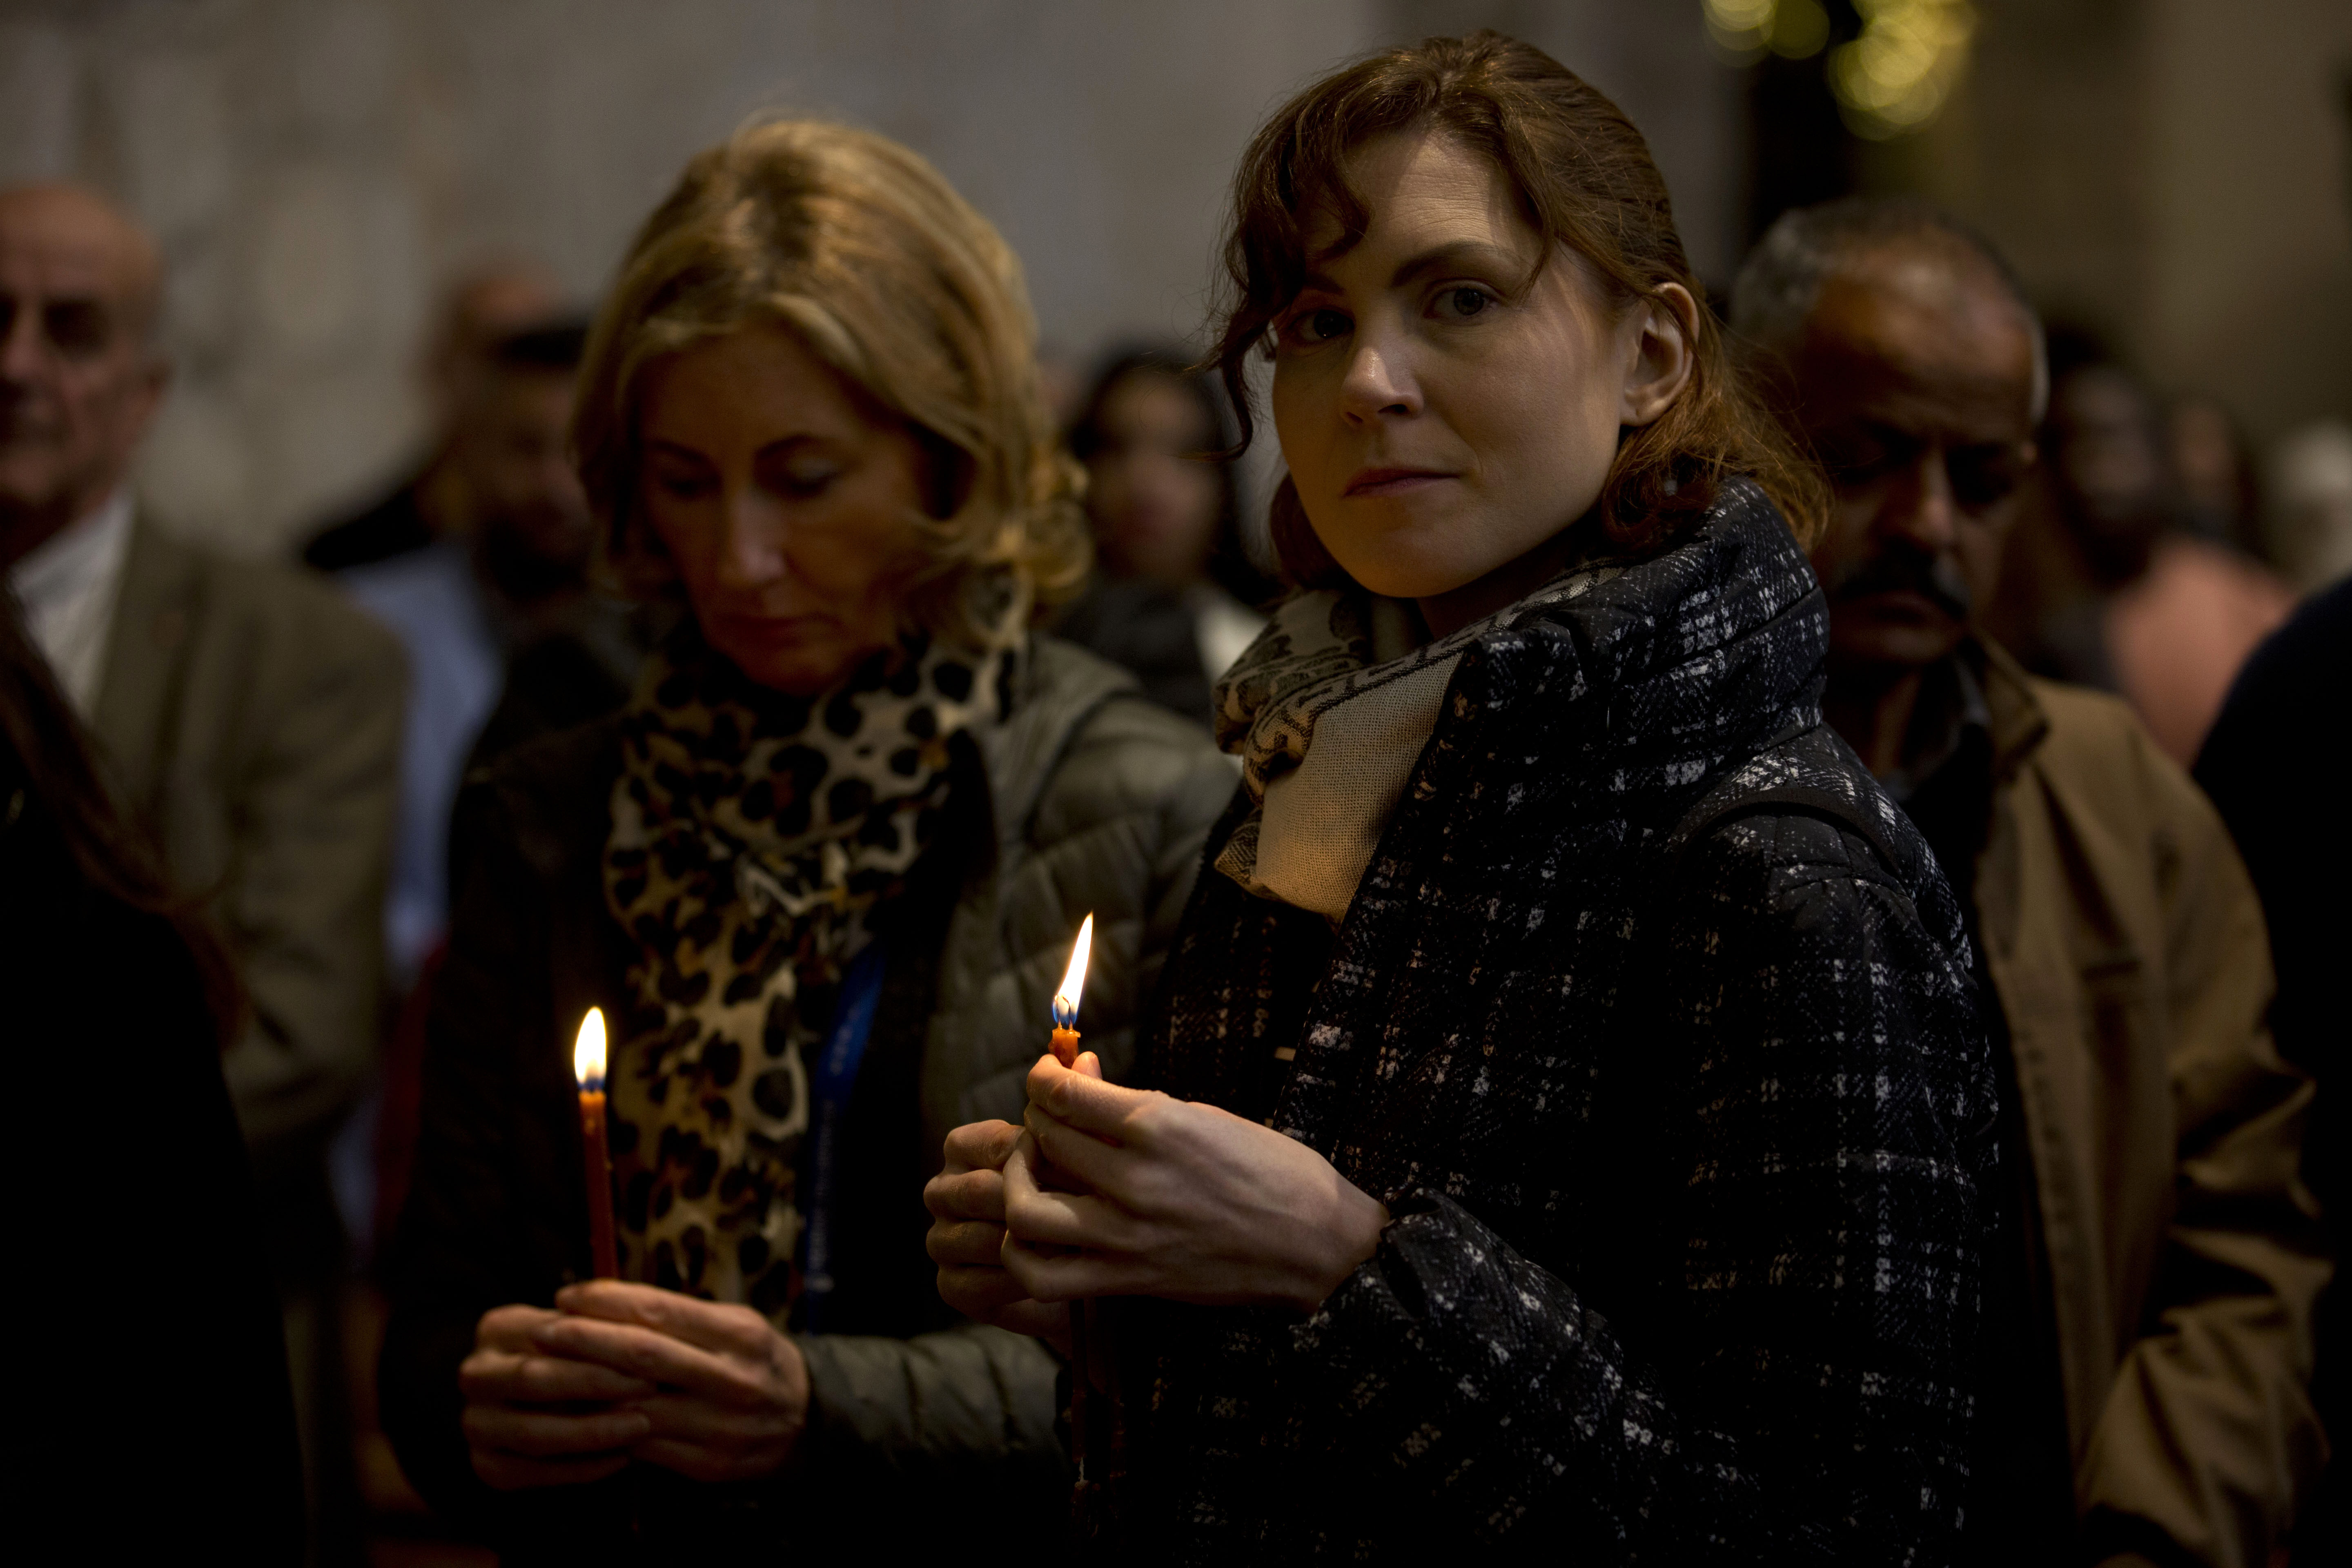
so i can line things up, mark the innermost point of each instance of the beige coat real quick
(253, 718)
(2130, 957)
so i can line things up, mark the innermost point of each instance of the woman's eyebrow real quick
(1460, 253)
(1471, 253)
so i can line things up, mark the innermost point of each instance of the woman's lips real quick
(1390, 481)
(769, 630)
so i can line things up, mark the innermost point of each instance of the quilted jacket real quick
(1094, 801)
(1652, 1023)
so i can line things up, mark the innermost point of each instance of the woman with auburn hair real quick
(822, 875)
(1566, 1127)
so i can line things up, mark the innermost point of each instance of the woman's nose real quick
(1379, 380)
(752, 542)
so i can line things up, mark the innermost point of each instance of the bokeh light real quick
(1745, 29)
(1897, 75)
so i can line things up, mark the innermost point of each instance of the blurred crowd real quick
(234, 830)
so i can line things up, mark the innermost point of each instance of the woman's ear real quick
(1664, 328)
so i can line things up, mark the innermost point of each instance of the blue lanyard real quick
(835, 1076)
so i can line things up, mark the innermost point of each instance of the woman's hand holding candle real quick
(711, 1392)
(729, 1395)
(967, 1198)
(1184, 1201)
(537, 1420)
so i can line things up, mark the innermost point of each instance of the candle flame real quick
(588, 1053)
(1074, 982)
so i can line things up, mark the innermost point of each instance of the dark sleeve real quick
(144, 1307)
(2274, 765)
(1831, 1089)
(2277, 775)
(227, 1413)
(169, 1169)
(474, 1233)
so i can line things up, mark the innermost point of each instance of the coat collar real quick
(1695, 655)
(2019, 724)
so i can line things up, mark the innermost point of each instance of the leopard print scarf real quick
(751, 833)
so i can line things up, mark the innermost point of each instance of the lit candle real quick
(588, 1066)
(1066, 1000)
(1087, 1434)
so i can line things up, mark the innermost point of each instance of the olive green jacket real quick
(2129, 955)
(251, 717)
(1097, 801)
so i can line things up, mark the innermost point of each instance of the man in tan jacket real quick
(2150, 1276)
(248, 716)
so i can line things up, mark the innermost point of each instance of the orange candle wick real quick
(595, 1149)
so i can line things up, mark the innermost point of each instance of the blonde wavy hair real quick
(857, 245)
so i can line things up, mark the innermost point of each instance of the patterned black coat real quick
(1651, 1022)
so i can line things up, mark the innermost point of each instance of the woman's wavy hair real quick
(1584, 177)
(858, 248)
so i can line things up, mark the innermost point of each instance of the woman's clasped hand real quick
(1110, 1191)
(622, 1372)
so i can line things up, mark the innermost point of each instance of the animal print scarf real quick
(1328, 711)
(751, 833)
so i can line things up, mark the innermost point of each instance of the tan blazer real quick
(2128, 951)
(252, 718)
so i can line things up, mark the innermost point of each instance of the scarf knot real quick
(1328, 711)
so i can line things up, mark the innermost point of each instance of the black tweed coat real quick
(1651, 1022)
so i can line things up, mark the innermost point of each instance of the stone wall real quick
(2172, 171)
(2174, 174)
(315, 168)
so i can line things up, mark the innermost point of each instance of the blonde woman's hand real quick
(725, 1395)
(1176, 1199)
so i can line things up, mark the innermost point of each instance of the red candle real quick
(588, 1066)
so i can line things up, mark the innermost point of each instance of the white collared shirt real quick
(67, 586)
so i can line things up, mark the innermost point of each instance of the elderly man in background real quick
(249, 717)
(2149, 1291)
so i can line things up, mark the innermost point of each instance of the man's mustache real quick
(1933, 577)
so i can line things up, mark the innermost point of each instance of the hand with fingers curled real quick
(622, 1372)
(1119, 1192)
(967, 1237)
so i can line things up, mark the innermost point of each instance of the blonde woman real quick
(822, 875)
